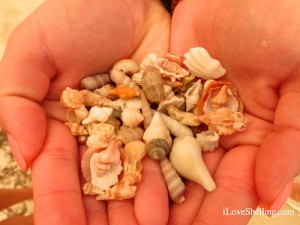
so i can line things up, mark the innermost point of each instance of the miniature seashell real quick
(106, 166)
(174, 58)
(124, 92)
(131, 117)
(104, 92)
(175, 127)
(201, 64)
(173, 67)
(146, 111)
(173, 84)
(127, 66)
(133, 103)
(99, 128)
(224, 121)
(209, 140)
(168, 92)
(192, 95)
(71, 98)
(157, 149)
(135, 150)
(137, 78)
(187, 83)
(157, 129)
(175, 101)
(76, 129)
(93, 82)
(81, 140)
(98, 141)
(152, 84)
(119, 77)
(186, 158)
(129, 134)
(98, 114)
(112, 120)
(186, 118)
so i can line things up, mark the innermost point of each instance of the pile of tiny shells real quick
(171, 109)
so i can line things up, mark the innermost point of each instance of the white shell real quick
(201, 64)
(175, 127)
(186, 158)
(175, 101)
(192, 95)
(209, 140)
(131, 117)
(133, 103)
(99, 114)
(127, 66)
(157, 129)
(105, 167)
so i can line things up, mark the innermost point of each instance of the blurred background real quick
(12, 12)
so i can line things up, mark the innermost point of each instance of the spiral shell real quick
(93, 82)
(119, 77)
(146, 111)
(129, 134)
(124, 92)
(157, 148)
(77, 115)
(152, 84)
(71, 98)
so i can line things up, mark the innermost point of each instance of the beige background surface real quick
(12, 12)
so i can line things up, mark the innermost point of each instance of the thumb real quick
(25, 76)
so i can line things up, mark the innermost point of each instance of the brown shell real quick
(93, 82)
(152, 84)
(146, 111)
(158, 148)
(129, 134)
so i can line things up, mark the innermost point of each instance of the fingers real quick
(151, 203)
(12, 196)
(194, 194)
(56, 186)
(121, 212)
(235, 189)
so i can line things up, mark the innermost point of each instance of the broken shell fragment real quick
(186, 158)
(71, 98)
(102, 129)
(175, 101)
(93, 82)
(98, 114)
(186, 118)
(76, 129)
(201, 64)
(209, 140)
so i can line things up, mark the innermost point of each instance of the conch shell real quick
(186, 158)
(201, 64)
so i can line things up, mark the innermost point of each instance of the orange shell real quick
(124, 92)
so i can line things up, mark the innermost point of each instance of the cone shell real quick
(186, 158)
(129, 134)
(93, 82)
(201, 64)
(71, 98)
(192, 95)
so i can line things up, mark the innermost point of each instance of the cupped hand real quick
(58, 45)
(258, 44)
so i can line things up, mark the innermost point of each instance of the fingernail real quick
(14, 146)
(279, 201)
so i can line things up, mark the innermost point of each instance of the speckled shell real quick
(192, 95)
(129, 134)
(201, 64)
(118, 77)
(146, 111)
(224, 121)
(124, 92)
(98, 114)
(158, 148)
(152, 84)
(186, 118)
(76, 129)
(71, 98)
(127, 66)
(209, 140)
(93, 82)
(186, 158)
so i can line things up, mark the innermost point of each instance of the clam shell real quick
(201, 64)
(71, 98)
(127, 66)
(209, 140)
(152, 84)
(131, 117)
(135, 151)
(186, 158)
(118, 77)
(93, 82)
(98, 114)
(129, 134)
(186, 118)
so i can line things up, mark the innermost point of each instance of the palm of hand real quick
(259, 53)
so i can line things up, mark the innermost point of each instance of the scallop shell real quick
(98, 114)
(93, 82)
(186, 118)
(119, 77)
(71, 98)
(201, 64)
(127, 66)
(175, 101)
(192, 95)
(102, 129)
(186, 158)
(152, 84)
(76, 129)
(209, 140)
(129, 134)
(175, 127)
(157, 129)
(131, 117)
(135, 150)
(224, 121)
(146, 111)
(124, 92)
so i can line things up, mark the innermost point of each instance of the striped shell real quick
(118, 77)
(93, 82)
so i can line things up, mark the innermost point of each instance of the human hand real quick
(57, 46)
(258, 44)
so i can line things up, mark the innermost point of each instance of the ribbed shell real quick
(146, 111)
(119, 77)
(158, 148)
(93, 82)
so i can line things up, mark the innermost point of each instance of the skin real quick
(258, 50)
(258, 44)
